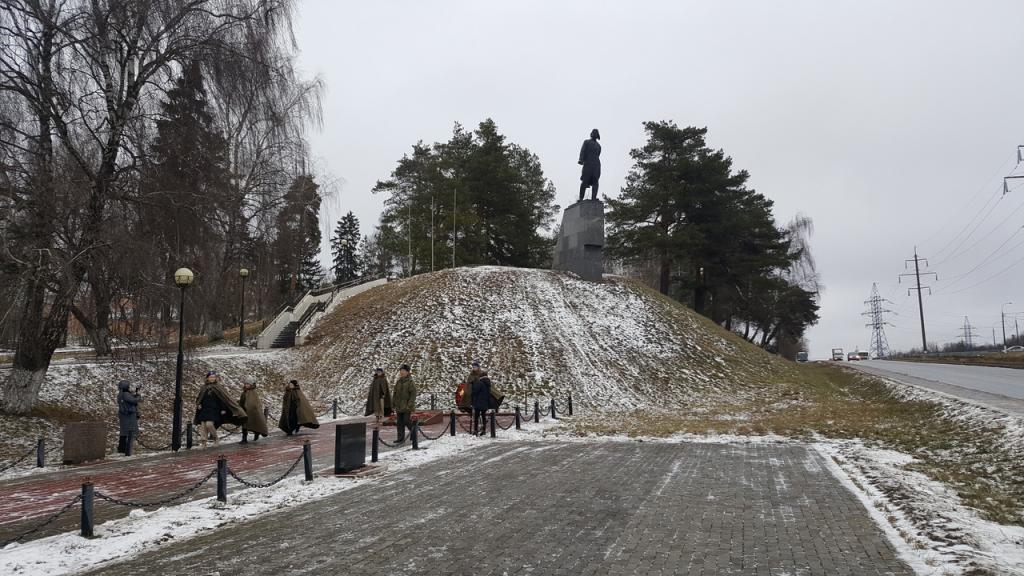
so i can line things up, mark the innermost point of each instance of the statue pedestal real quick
(580, 242)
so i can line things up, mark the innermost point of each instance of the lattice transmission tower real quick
(876, 312)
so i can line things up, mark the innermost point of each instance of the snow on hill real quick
(615, 345)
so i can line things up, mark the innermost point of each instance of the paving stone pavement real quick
(563, 508)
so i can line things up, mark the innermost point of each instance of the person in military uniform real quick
(404, 401)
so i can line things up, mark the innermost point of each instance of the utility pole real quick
(879, 344)
(969, 334)
(1002, 319)
(920, 303)
(431, 232)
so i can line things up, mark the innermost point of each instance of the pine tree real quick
(478, 194)
(345, 247)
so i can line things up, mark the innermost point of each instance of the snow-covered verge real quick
(615, 345)
(141, 531)
(924, 518)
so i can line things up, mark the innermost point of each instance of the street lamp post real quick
(182, 279)
(244, 273)
(1002, 317)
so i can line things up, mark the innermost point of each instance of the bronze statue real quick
(590, 159)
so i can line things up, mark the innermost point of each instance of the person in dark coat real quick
(127, 415)
(481, 403)
(590, 159)
(215, 408)
(465, 401)
(404, 401)
(378, 399)
(296, 410)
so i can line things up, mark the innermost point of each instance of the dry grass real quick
(996, 359)
(827, 401)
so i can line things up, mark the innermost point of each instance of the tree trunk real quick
(665, 274)
(40, 334)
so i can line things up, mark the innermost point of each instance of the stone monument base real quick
(580, 244)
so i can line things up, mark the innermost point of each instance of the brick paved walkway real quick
(28, 500)
(563, 508)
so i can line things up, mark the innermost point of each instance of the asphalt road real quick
(1001, 388)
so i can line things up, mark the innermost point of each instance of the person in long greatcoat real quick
(215, 408)
(404, 401)
(378, 399)
(590, 159)
(296, 410)
(127, 415)
(481, 403)
(251, 402)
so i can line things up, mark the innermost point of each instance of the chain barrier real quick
(468, 429)
(168, 500)
(390, 445)
(265, 484)
(14, 463)
(424, 434)
(43, 524)
(497, 423)
(147, 447)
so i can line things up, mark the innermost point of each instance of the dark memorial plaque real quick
(84, 441)
(349, 447)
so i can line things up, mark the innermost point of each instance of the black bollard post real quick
(128, 443)
(519, 419)
(40, 453)
(493, 417)
(188, 436)
(374, 450)
(570, 404)
(536, 411)
(553, 415)
(222, 479)
(87, 516)
(433, 402)
(334, 408)
(415, 435)
(307, 460)
(451, 424)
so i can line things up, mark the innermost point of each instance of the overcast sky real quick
(889, 123)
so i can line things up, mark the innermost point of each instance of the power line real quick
(956, 279)
(876, 311)
(981, 189)
(920, 303)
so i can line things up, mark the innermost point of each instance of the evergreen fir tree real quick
(345, 248)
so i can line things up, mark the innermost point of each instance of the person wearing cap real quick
(590, 159)
(127, 414)
(215, 408)
(296, 410)
(378, 399)
(466, 399)
(251, 402)
(404, 400)
(481, 403)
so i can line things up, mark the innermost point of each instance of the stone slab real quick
(84, 442)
